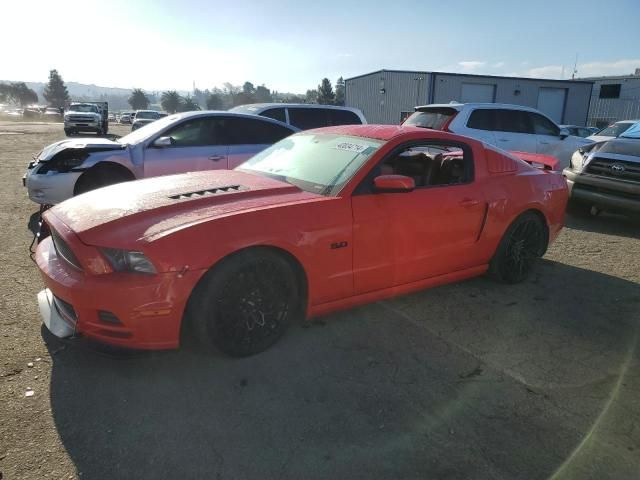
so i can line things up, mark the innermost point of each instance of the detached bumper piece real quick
(58, 316)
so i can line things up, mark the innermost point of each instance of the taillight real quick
(445, 125)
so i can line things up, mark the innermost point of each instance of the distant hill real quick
(79, 89)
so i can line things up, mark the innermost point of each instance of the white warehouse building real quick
(389, 96)
(614, 98)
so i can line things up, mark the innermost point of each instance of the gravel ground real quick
(472, 380)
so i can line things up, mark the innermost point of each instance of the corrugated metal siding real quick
(402, 92)
(604, 111)
(448, 88)
(405, 90)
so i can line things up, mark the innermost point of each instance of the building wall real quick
(402, 92)
(604, 111)
(405, 90)
(518, 91)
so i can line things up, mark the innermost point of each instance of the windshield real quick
(614, 130)
(148, 130)
(151, 115)
(632, 132)
(318, 163)
(434, 118)
(84, 108)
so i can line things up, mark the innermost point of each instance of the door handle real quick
(216, 158)
(503, 139)
(544, 143)
(469, 202)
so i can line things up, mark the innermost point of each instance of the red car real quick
(323, 220)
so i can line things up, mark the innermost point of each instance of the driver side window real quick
(198, 132)
(430, 165)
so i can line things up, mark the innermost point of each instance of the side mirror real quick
(162, 142)
(393, 184)
(564, 133)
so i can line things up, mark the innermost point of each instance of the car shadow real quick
(606, 222)
(469, 380)
(32, 224)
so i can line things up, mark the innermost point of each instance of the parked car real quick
(606, 175)
(52, 114)
(112, 117)
(509, 127)
(322, 220)
(303, 115)
(577, 131)
(31, 113)
(87, 117)
(14, 114)
(184, 142)
(613, 131)
(125, 118)
(144, 117)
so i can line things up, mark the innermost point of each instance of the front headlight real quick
(64, 162)
(128, 261)
(578, 159)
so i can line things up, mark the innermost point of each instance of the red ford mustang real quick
(323, 220)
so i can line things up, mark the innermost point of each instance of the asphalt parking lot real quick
(471, 380)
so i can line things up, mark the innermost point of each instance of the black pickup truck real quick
(606, 175)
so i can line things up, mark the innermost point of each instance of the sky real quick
(291, 45)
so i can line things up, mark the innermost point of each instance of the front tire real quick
(244, 305)
(521, 246)
(100, 176)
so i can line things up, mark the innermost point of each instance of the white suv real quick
(510, 127)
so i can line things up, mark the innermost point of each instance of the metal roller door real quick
(551, 101)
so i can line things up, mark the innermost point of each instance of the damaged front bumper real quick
(55, 315)
(50, 188)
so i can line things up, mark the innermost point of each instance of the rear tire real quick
(244, 305)
(521, 246)
(100, 176)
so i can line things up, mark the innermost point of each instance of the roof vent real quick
(211, 191)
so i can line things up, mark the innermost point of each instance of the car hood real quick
(145, 210)
(600, 138)
(91, 143)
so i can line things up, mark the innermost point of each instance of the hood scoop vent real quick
(211, 191)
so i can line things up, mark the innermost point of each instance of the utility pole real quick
(575, 68)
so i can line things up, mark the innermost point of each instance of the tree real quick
(56, 93)
(340, 88)
(263, 94)
(138, 99)
(214, 102)
(188, 104)
(311, 96)
(325, 93)
(171, 101)
(18, 93)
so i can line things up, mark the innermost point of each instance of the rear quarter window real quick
(434, 118)
(343, 117)
(276, 114)
(307, 118)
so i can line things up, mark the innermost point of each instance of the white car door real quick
(514, 132)
(479, 125)
(551, 143)
(196, 144)
(248, 136)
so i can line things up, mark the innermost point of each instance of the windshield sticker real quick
(351, 147)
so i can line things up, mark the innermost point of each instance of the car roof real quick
(226, 113)
(382, 132)
(262, 106)
(459, 106)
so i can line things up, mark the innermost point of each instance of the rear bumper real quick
(120, 309)
(603, 192)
